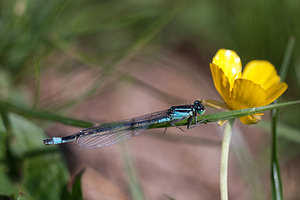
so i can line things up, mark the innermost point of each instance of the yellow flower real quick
(258, 85)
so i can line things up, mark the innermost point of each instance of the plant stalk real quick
(224, 160)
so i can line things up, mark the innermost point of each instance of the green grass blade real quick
(122, 57)
(37, 76)
(277, 192)
(283, 131)
(46, 115)
(230, 114)
(11, 159)
(132, 179)
(287, 58)
(41, 114)
(244, 112)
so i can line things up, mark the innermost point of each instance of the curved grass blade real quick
(120, 58)
(134, 185)
(14, 107)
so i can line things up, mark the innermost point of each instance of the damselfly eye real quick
(197, 104)
(199, 107)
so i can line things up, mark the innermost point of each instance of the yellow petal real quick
(214, 104)
(261, 72)
(221, 81)
(274, 92)
(230, 62)
(246, 94)
(251, 119)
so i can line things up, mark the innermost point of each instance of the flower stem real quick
(224, 160)
(277, 193)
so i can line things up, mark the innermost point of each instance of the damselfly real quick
(116, 132)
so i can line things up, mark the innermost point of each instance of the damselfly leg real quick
(198, 124)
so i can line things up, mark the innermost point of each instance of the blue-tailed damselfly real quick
(112, 133)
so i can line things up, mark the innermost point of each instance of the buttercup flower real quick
(258, 85)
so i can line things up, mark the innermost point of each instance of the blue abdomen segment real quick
(53, 140)
(59, 140)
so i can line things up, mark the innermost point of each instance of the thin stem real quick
(37, 83)
(13, 163)
(287, 58)
(134, 185)
(227, 115)
(224, 160)
(277, 193)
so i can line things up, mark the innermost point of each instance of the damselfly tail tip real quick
(53, 140)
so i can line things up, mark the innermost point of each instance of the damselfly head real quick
(198, 106)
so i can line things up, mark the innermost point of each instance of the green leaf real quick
(43, 174)
(7, 187)
(23, 197)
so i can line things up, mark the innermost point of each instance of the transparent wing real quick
(108, 138)
(113, 133)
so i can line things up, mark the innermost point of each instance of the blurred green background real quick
(37, 35)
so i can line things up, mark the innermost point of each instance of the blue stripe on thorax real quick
(180, 113)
